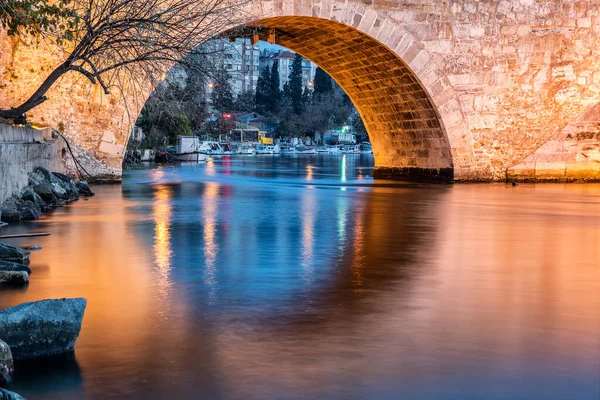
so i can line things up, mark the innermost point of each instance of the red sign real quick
(226, 115)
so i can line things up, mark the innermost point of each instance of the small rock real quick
(44, 172)
(29, 194)
(84, 188)
(13, 266)
(11, 215)
(7, 366)
(31, 211)
(8, 395)
(59, 191)
(9, 252)
(44, 190)
(62, 177)
(34, 247)
(35, 178)
(14, 278)
(42, 328)
(11, 209)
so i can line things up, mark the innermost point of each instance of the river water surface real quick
(302, 278)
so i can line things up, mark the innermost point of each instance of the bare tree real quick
(109, 41)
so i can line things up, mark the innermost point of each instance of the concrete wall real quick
(17, 158)
(489, 82)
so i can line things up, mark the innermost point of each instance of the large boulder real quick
(42, 328)
(7, 366)
(8, 252)
(8, 395)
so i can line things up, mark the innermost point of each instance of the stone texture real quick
(6, 364)
(473, 86)
(8, 252)
(42, 328)
(8, 395)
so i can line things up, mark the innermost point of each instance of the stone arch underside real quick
(407, 133)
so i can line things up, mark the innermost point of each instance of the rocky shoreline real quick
(47, 327)
(45, 192)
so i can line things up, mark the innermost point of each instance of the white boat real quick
(305, 150)
(187, 149)
(264, 149)
(287, 150)
(366, 148)
(352, 149)
(323, 150)
(334, 149)
(246, 150)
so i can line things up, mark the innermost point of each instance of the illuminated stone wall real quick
(467, 88)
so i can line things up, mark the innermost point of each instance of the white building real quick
(285, 58)
(240, 59)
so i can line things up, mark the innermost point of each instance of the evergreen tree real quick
(222, 94)
(295, 84)
(262, 97)
(275, 89)
(323, 84)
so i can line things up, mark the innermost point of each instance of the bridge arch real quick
(406, 127)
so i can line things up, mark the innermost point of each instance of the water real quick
(299, 278)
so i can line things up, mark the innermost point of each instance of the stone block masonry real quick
(18, 158)
(478, 90)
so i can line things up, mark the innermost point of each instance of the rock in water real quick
(8, 395)
(42, 328)
(12, 266)
(84, 188)
(11, 253)
(14, 278)
(6, 364)
(14, 274)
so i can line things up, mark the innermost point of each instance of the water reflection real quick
(283, 289)
(209, 226)
(161, 213)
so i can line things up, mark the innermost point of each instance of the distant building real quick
(240, 59)
(285, 58)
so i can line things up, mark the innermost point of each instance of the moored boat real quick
(187, 149)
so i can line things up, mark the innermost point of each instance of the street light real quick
(310, 84)
(211, 85)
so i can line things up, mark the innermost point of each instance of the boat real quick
(305, 150)
(265, 149)
(352, 149)
(187, 149)
(366, 148)
(334, 149)
(287, 150)
(246, 150)
(322, 150)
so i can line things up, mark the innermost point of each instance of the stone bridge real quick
(464, 90)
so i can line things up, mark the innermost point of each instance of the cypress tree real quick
(222, 94)
(323, 84)
(263, 96)
(295, 84)
(275, 89)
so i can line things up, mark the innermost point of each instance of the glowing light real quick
(211, 85)
(343, 168)
(308, 236)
